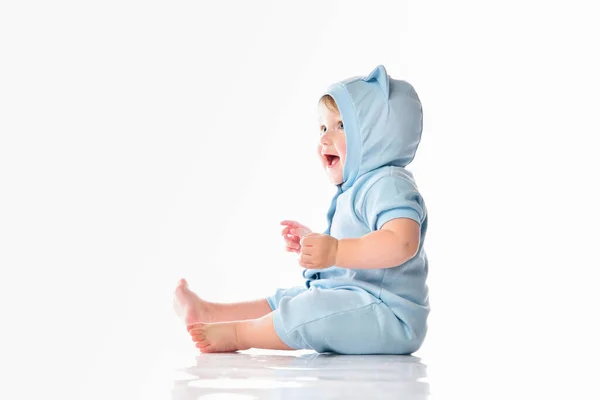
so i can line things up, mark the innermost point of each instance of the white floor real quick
(297, 375)
(153, 364)
(260, 374)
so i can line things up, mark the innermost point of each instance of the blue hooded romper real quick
(366, 311)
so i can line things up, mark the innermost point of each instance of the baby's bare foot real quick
(189, 306)
(219, 337)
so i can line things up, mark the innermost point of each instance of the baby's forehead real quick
(324, 113)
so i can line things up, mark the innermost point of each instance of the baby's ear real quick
(380, 75)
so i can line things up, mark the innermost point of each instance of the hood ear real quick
(380, 75)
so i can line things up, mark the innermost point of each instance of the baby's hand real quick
(318, 251)
(292, 233)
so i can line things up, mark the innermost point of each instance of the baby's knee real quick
(275, 298)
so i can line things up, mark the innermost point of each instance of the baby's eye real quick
(341, 125)
(323, 129)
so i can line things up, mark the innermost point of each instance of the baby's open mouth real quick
(331, 160)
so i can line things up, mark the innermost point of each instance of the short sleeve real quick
(389, 198)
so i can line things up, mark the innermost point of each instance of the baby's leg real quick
(237, 335)
(242, 333)
(326, 320)
(192, 308)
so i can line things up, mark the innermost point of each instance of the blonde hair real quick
(329, 103)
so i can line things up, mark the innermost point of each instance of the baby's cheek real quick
(319, 150)
(343, 151)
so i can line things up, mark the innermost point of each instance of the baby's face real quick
(332, 144)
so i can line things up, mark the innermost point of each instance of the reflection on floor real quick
(301, 375)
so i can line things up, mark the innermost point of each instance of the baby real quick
(365, 290)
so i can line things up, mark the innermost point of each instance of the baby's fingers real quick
(300, 232)
(306, 265)
(289, 222)
(295, 249)
(291, 250)
(292, 241)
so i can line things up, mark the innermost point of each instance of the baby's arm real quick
(395, 243)
(393, 210)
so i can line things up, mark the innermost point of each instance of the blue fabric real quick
(345, 320)
(383, 123)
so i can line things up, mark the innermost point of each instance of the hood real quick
(383, 121)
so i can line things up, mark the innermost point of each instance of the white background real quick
(141, 142)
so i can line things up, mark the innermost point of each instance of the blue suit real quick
(366, 311)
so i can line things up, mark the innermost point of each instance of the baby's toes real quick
(205, 348)
(196, 327)
(199, 331)
(198, 338)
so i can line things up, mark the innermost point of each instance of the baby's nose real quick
(325, 139)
